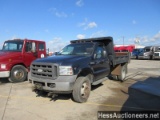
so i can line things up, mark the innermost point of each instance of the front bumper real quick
(4, 74)
(143, 57)
(133, 57)
(63, 84)
(156, 57)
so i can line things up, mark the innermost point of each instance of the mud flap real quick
(116, 70)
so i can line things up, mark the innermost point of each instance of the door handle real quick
(92, 63)
(101, 62)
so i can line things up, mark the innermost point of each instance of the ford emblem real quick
(40, 70)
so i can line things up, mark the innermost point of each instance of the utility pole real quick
(123, 40)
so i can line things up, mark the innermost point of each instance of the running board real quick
(99, 81)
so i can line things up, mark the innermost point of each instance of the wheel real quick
(81, 89)
(18, 74)
(151, 57)
(122, 76)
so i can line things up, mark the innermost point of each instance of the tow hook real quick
(34, 89)
(52, 95)
(38, 86)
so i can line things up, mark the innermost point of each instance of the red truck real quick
(16, 57)
(127, 48)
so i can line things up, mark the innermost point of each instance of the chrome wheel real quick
(81, 89)
(85, 90)
(18, 74)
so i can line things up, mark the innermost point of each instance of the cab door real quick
(41, 50)
(101, 65)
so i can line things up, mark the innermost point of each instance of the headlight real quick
(65, 70)
(3, 66)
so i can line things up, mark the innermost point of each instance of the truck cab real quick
(16, 57)
(157, 52)
(147, 53)
(136, 52)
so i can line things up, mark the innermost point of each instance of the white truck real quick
(157, 53)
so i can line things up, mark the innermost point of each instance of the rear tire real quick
(18, 74)
(81, 89)
(123, 73)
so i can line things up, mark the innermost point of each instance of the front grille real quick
(44, 70)
(156, 54)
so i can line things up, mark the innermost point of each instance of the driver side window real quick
(99, 52)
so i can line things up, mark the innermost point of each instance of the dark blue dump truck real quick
(77, 67)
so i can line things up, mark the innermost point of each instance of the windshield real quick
(158, 49)
(138, 50)
(147, 50)
(13, 46)
(135, 50)
(77, 49)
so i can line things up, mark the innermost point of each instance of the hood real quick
(65, 59)
(7, 55)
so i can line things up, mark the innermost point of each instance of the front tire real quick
(81, 89)
(18, 74)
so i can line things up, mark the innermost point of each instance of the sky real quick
(59, 21)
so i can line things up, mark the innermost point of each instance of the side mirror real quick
(94, 56)
(104, 53)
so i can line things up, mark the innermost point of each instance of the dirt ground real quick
(18, 102)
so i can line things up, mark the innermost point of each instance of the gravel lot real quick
(18, 102)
